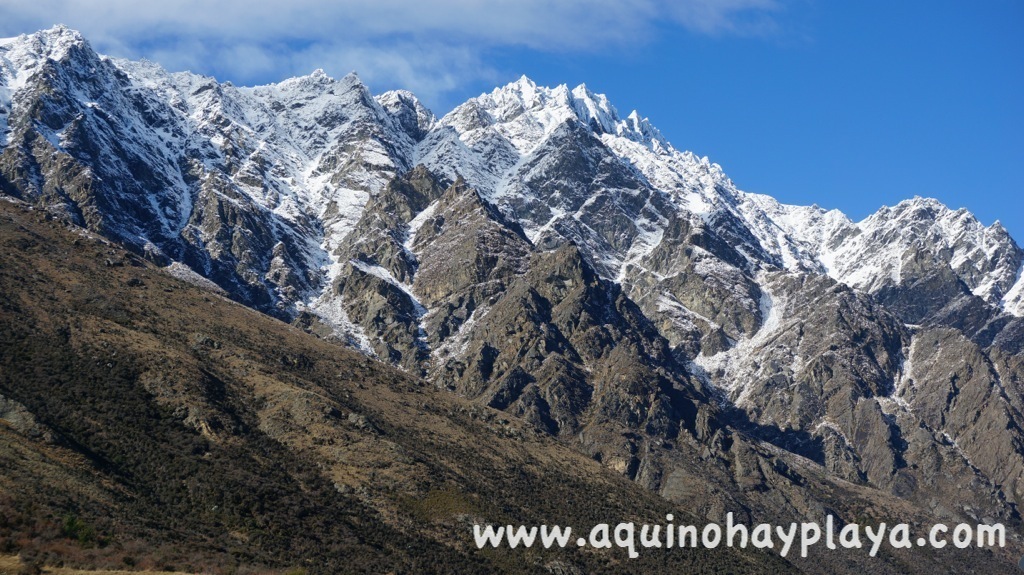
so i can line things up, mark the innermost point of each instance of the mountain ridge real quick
(534, 252)
(784, 245)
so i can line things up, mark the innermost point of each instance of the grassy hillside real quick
(148, 424)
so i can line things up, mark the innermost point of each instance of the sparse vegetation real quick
(153, 449)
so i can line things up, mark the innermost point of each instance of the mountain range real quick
(534, 252)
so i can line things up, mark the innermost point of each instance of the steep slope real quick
(699, 257)
(682, 239)
(251, 187)
(257, 187)
(177, 429)
(918, 256)
(458, 293)
(919, 413)
(563, 165)
(183, 430)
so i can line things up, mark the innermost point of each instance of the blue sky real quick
(850, 105)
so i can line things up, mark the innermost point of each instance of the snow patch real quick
(186, 274)
(729, 363)
(417, 222)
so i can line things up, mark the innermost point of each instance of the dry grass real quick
(198, 432)
(12, 565)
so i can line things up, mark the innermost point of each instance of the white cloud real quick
(429, 47)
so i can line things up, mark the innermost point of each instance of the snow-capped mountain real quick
(537, 252)
(310, 151)
(499, 132)
(250, 186)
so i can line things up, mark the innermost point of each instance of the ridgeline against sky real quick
(850, 105)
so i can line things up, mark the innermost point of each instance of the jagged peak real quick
(22, 56)
(405, 95)
(523, 93)
(642, 125)
(595, 108)
(915, 208)
(393, 98)
(352, 82)
(52, 44)
(951, 228)
(55, 37)
(550, 107)
(315, 78)
(524, 81)
(318, 84)
(524, 87)
(410, 112)
(924, 202)
(931, 212)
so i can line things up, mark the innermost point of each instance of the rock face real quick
(245, 186)
(834, 376)
(537, 253)
(228, 441)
